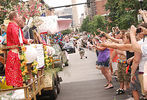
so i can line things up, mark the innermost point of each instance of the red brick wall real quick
(100, 7)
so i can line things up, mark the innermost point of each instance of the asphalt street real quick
(82, 81)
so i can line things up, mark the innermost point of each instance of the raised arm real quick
(135, 46)
(123, 47)
(100, 48)
(113, 39)
(144, 15)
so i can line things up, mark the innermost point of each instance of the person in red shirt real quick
(14, 37)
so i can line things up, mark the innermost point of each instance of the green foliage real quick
(124, 12)
(5, 7)
(64, 32)
(84, 26)
(91, 26)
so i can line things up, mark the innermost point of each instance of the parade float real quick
(39, 71)
(38, 60)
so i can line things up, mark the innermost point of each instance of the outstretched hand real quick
(103, 44)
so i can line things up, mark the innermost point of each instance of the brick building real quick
(100, 7)
(97, 7)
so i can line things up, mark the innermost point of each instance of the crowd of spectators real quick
(123, 53)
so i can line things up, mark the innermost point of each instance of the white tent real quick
(49, 24)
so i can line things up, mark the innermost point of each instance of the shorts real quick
(82, 52)
(141, 80)
(122, 76)
(104, 64)
(135, 86)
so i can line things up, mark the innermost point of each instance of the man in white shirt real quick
(139, 48)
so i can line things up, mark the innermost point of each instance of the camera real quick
(138, 30)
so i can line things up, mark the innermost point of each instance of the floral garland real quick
(24, 67)
(48, 60)
(34, 66)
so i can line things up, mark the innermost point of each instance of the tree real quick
(30, 9)
(92, 25)
(84, 26)
(5, 7)
(27, 9)
(64, 32)
(123, 13)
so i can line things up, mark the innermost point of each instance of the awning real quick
(52, 25)
(64, 24)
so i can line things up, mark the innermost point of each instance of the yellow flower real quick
(47, 61)
(23, 48)
(51, 60)
(45, 52)
(35, 71)
(45, 57)
(21, 57)
(23, 73)
(44, 47)
(47, 65)
(25, 59)
(50, 57)
(24, 63)
(3, 80)
(35, 63)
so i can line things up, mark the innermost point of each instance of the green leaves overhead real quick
(68, 31)
(124, 12)
(92, 25)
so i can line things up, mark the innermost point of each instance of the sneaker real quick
(120, 91)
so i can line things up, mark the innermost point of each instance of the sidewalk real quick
(82, 81)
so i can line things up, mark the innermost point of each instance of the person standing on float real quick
(14, 37)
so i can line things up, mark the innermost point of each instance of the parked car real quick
(60, 56)
(69, 47)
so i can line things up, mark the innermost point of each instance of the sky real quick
(54, 3)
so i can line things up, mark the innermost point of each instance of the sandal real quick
(106, 85)
(120, 91)
(109, 87)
